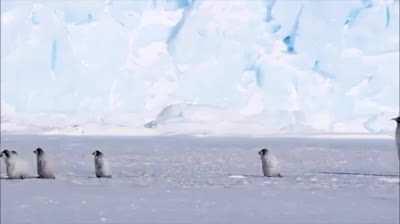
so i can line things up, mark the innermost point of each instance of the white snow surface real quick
(181, 179)
(229, 67)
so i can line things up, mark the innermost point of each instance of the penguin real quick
(101, 165)
(44, 169)
(15, 167)
(397, 119)
(268, 163)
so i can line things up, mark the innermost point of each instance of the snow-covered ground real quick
(181, 179)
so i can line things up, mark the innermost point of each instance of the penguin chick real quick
(15, 167)
(44, 169)
(268, 163)
(397, 120)
(101, 165)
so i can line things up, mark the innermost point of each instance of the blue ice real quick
(270, 5)
(387, 17)
(291, 38)
(317, 68)
(354, 13)
(177, 28)
(53, 55)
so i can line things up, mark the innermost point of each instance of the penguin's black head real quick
(38, 151)
(97, 153)
(263, 152)
(6, 153)
(397, 119)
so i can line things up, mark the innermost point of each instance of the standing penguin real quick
(44, 169)
(15, 168)
(268, 163)
(101, 165)
(397, 119)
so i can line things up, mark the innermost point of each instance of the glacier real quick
(199, 67)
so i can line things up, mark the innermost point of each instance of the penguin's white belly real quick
(44, 169)
(269, 166)
(10, 168)
(102, 168)
(16, 168)
(398, 140)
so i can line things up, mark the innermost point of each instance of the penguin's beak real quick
(397, 119)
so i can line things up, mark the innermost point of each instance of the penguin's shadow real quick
(358, 174)
(252, 176)
(86, 177)
(8, 178)
(112, 177)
